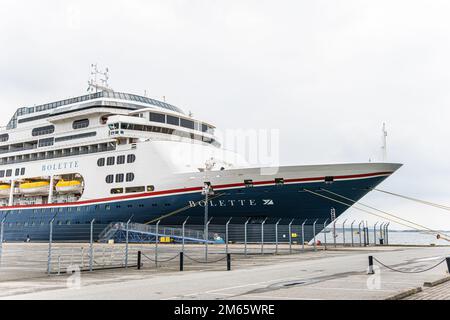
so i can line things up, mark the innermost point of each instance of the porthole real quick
(131, 158)
(130, 177)
(109, 178)
(101, 162)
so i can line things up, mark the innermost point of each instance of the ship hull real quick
(286, 202)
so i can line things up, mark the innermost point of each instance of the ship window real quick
(187, 123)
(109, 178)
(130, 177)
(45, 142)
(204, 127)
(101, 162)
(42, 130)
(134, 189)
(22, 171)
(80, 124)
(120, 159)
(2, 173)
(4, 137)
(110, 161)
(9, 172)
(150, 188)
(248, 183)
(279, 181)
(116, 190)
(17, 171)
(173, 120)
(119, 177)
(131, 158)
(157, 117)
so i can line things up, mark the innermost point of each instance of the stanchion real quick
(181, 261)
(228, 261)
(370, 271)
(139, 258)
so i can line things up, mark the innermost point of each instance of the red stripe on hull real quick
(173, 191)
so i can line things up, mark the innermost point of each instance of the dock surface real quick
(332, 274)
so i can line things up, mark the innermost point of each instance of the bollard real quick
(181, 261)
(276, 236)
(139, 260)
(245, 236)
(370, 271)
(228, 261)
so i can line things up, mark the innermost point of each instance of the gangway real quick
(138, 232)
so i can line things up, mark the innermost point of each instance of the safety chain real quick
(206, 262)
(167, 260)
(402, 271)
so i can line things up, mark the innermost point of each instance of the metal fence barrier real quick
(239, 239)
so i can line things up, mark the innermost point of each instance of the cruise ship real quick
(115, 157)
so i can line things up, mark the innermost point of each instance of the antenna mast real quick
(384, 145)
(101, 84)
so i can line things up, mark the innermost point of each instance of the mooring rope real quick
(384, 212)
(404, 271)
(436, 205)
(366, 211)
(206, 262)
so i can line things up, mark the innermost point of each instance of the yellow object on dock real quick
(165, 240)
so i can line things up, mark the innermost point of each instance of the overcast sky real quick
(326, 73)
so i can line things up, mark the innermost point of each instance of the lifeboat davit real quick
(68, 186)
(35, 187)
(5, 190)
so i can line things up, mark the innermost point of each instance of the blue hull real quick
(273, 202)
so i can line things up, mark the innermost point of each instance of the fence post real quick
(375, 233)
(351, 232)
(290, 236)
(314, 233)
(381, 233)
(359, 233)
(91, 246)
(276, 236)
(207, 239)
(139, 253)
(262, 236)
(1, 239)
(303, 235)
(50, 240)
(228, 261)
(387, 232)
(182, 244)
(226, 235)
(343, 232)
(126, 244)
(334, 232)
(325, 233)
(181, 261)
(245, 236)
(156, 243)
